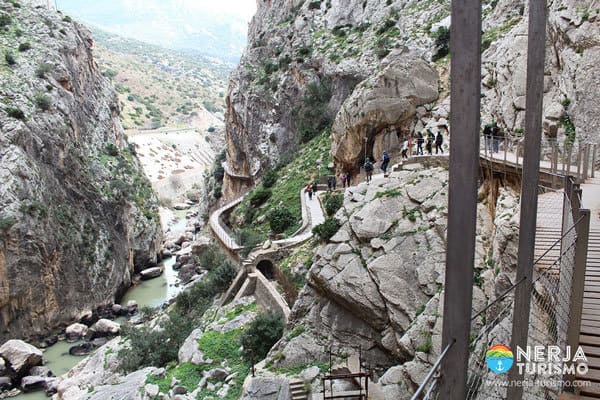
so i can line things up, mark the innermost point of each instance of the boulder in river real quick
(33, 383)
(41, 371)
(151, 273)
(81, 349)
(3, 369)
(132, 306)
(21, 356)
(76, 331)
(5, 383)
(106, 327)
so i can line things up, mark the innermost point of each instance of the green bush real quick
(261, 335)
(42, 70)
(259, 196)
(24, 46)
(269, 178)
(218, 192)
(151, 347)
(9, 58)
(211, 129)
(280, 218)
(327, 229)
(67, 19)
(15, 113)
(333, 202)
(111, 150)
(219, 173)
(249, 239)
(211, 258)
(442, 43)
(43, 101)
(312, 116)
(5, 20)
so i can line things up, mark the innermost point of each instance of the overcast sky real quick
(172, 23)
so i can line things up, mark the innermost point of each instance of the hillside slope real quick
(77, 216)
(368, 68)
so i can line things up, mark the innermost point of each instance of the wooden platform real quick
(589, 337)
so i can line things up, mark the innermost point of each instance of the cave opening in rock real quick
(267, 268)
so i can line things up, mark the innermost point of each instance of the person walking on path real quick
(439, 140)
(420, 141)
(343, 179)
(369, 169)
(385, 162)
(309, 190)
(487, 133)
(405, 149)
(348, 178)
(495, 137)
(430, 140)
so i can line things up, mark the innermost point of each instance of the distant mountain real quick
(214, 29)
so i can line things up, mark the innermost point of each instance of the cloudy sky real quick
(216, 27)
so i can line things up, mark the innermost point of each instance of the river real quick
(151, 293)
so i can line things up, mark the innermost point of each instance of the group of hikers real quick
(493, 134)
(430, 140)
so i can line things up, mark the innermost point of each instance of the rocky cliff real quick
(77, 216)
(367, 68)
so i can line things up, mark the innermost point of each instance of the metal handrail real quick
(432, 371)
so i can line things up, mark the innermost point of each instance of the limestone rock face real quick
(20, 356)
(77, 216)
(389, 98)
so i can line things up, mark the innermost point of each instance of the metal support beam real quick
(536, 51)
(578, 282)
(465, 48)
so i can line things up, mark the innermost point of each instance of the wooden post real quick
(569, 153)
(505, 150)
(578, 280)
(586, 161)
(579, 163)
(465, 99)
(594, 161)
(536, 50)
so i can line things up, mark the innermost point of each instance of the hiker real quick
(405, 149)
(343, 179)
(430, 140)
(420, 141)
(329, 184)
(348, 178)
(495, 137)
(309, 190)
(369, 169)
(487, 134)
(439, 140)
(385, 162)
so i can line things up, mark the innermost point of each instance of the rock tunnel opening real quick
(267, 268)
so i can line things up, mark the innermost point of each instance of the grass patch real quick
(388, 193)
(293, 176)
(294, 370)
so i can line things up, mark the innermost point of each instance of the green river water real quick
(153, 293)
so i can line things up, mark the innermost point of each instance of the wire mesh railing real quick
(550, 313)
(574, 158)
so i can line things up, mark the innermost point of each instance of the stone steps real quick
(298, 390)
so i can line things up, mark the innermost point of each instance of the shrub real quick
(249, 239)
(219, 173)
(269, 178)
(9, 58)
(151, 347)
(5, 20)
(442, 43)
(259, 197)
(111, 150)
(211, 129)
(15, 113)
(211, 258)
(42, 70)
(327, 229)
(261, 335)
(333, 202)
(43, 101)
(24, 46)
(314, 5)
(217, 192)
(67, 19)
(313, 117)
(280, 218)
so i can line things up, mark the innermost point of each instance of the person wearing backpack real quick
(369, 169)
(430, 140)
(439, 140)
(385, 162)
(405, 149)
(420, 141)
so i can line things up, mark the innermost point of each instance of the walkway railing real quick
(576, 158)
(555, 317)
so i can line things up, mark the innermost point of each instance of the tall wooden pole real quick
(536, 51)
(465, 51)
